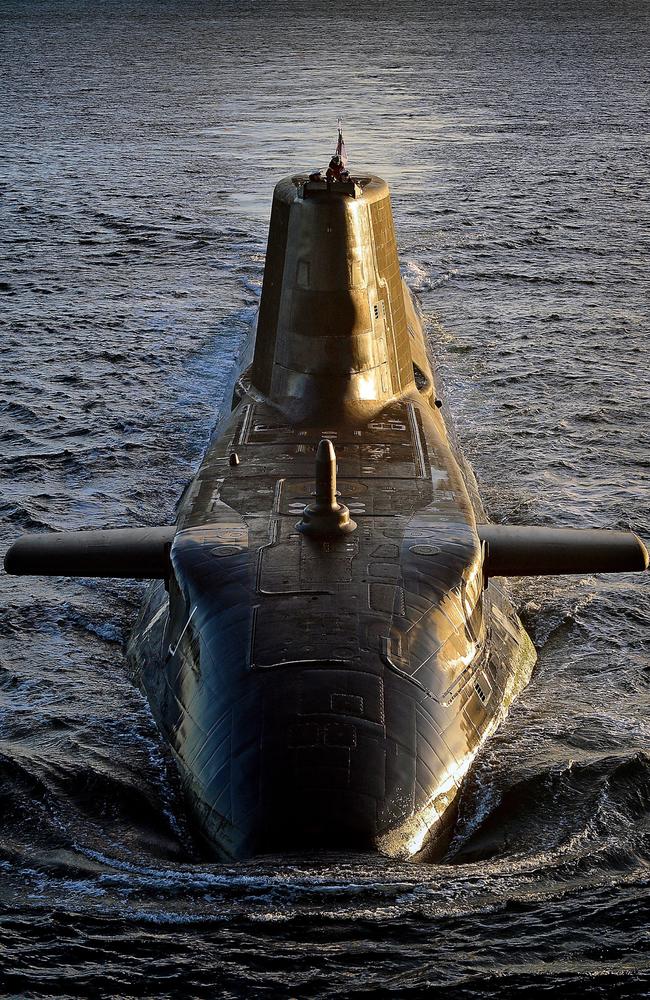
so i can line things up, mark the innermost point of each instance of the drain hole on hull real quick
(420, 379)
(483, 689)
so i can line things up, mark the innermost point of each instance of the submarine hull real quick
(330, 692)
(325, 663)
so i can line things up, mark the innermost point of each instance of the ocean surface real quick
(139, 145)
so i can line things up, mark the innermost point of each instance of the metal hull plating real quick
(329, 693)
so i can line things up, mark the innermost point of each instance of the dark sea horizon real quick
(139, 147)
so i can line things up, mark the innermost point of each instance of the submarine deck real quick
(405, 585)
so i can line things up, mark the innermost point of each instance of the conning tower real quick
(332, 334)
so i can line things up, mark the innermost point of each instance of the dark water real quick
(140, 144)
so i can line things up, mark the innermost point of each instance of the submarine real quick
(327, 640)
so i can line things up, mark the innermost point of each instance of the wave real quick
(573, 807)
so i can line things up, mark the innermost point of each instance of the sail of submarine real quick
(327, 643)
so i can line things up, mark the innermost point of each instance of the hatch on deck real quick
(352, 188)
